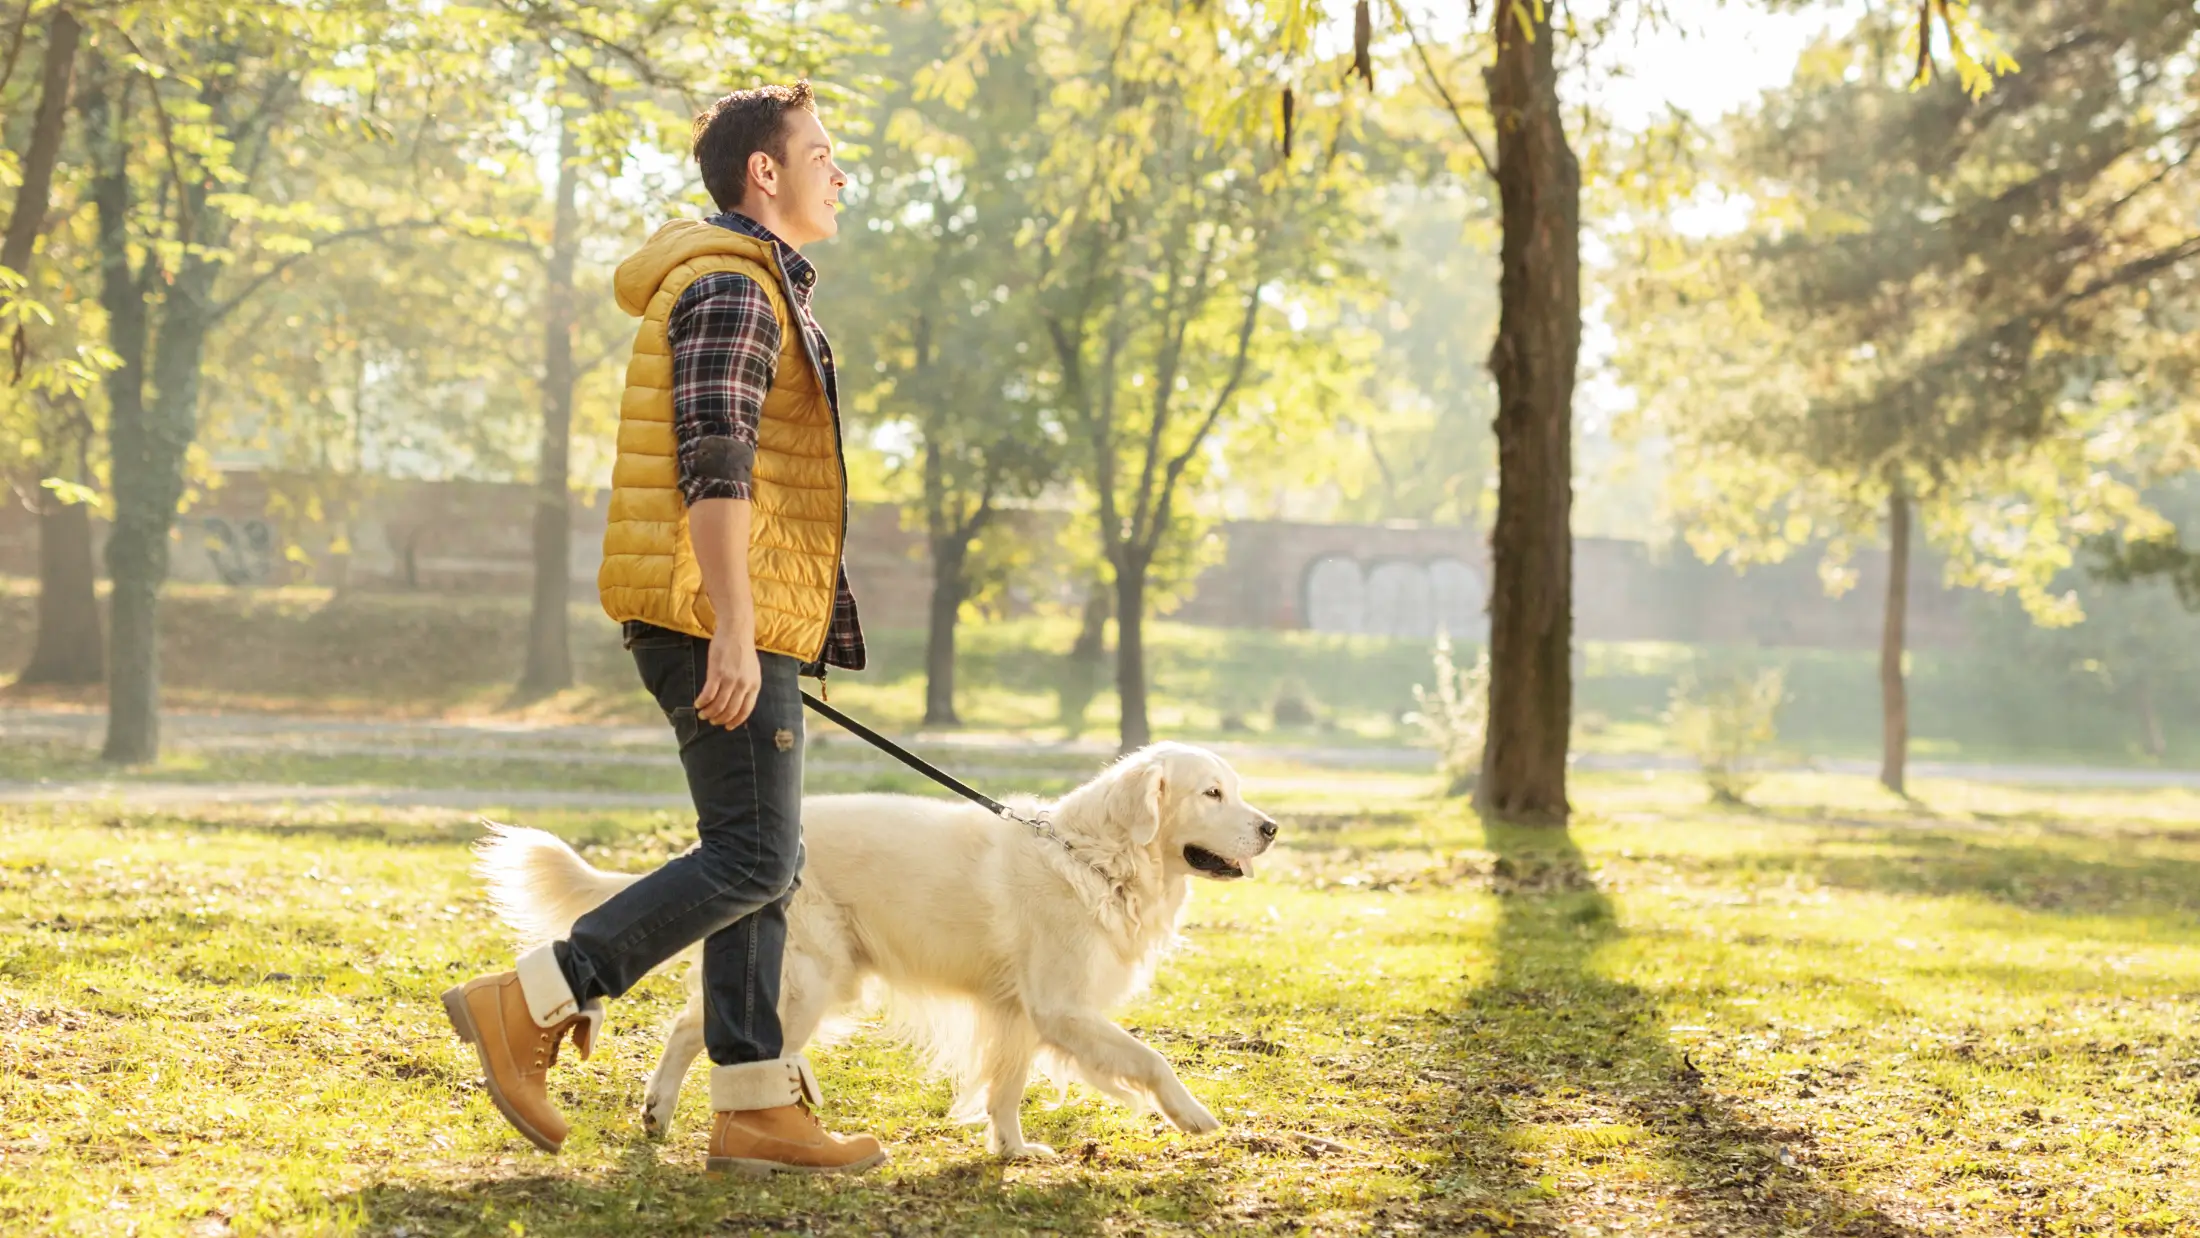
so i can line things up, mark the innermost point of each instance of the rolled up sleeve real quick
(725, 351)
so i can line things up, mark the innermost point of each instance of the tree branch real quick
(1436, 82)
(1222, 402)
(223, 309)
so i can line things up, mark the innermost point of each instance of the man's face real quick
(805, 190)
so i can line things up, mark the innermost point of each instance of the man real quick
(723, 561)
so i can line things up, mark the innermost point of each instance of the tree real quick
(210, 107)
(1533, 359)
(67, 648)
(234, 148)
(1175, 255)
(1927, 311)
(942, 296)
(549, 666)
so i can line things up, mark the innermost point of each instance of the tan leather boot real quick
(516, 1020)
(764, 1124)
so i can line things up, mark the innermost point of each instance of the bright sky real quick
(1713, 58)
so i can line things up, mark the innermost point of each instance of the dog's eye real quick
(1214, 793)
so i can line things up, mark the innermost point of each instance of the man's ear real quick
(1146, 824)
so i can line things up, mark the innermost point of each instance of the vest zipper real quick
(840, 456)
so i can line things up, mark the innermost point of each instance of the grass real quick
(1834, 1014)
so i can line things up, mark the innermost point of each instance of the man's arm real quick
(719, 531)
(725, 348)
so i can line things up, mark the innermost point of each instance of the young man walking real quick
(724, 562)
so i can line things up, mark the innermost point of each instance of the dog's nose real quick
(1267, 830)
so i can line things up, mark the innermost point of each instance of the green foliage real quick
(1727, 718)
(939, 295)
(1962, 300)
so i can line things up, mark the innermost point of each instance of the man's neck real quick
(768, 220)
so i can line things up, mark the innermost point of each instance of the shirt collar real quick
(799, 271)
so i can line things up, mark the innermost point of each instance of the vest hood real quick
(682, 240)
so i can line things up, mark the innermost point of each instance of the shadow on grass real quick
(2048, 878)
(1558, 1062)
(647, 1195)
(2035, 878)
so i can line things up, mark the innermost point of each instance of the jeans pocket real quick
(686, 724)
(668, 672)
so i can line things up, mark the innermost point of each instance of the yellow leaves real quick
(1978, 54)
(70, 493)
(1527, 21)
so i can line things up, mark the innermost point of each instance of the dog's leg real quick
(682, 1043)
(1010, 1042)
(1113, 1056)
(806, 995)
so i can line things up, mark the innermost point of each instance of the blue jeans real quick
(729, 892)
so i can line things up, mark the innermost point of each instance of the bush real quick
(1291, 708)
(1728, 720)
(1455, 716)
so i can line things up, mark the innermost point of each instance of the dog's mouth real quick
(1213, 865)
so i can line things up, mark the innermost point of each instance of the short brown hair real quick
(739, 125)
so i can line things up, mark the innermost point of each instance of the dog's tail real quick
(539, 885)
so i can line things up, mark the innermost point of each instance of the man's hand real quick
(734, 679)
(719, 529)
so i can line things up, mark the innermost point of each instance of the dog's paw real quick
(1192, 1118)
(656, 1115)
(1029, 1152)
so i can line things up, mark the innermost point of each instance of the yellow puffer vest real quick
(799, 491)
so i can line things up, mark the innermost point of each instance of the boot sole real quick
(462, 1022)
(764, 1169)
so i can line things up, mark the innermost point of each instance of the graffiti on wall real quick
(241, 552)
(1395, 598)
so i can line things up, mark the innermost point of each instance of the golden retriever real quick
(1000, 946)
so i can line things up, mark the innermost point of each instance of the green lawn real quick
(1836, 1014)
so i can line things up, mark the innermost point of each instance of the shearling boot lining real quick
(549, 998)
(763, 1085)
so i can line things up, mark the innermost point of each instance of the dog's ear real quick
(1136, 801)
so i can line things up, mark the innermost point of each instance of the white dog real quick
(1000, 946)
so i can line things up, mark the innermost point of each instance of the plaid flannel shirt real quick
(725, 350)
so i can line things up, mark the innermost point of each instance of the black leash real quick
(1037, 825)
(912, 760)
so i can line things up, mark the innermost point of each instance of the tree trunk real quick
(950, 554)
(1081, 669)
(1533, 360)
(137, 546)
(549, 658)
(147, 495)
(68, 647)
(36, 193)
(1894, 699)
(1130, 652)
(2150, 719)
